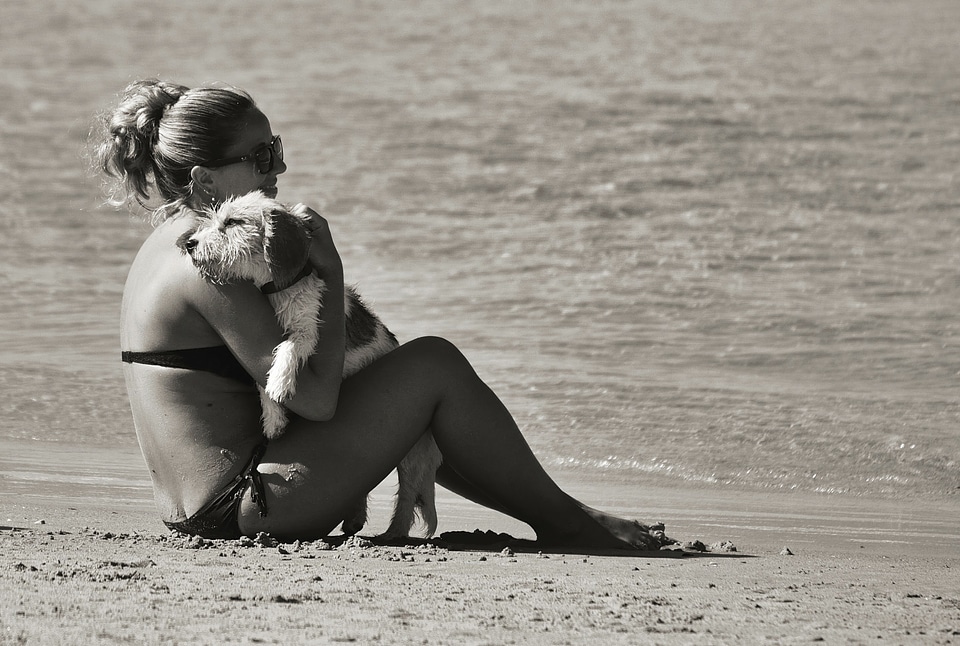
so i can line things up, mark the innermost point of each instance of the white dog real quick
(259, 239)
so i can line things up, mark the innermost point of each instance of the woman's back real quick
(195, 427)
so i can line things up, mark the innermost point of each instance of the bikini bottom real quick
(220, 518)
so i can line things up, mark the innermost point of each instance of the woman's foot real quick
(631, 532)
(600, 530)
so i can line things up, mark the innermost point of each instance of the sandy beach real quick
(68, 584)
(97, 566)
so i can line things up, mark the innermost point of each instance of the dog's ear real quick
(286, 246)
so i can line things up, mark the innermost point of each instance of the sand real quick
(79, 571)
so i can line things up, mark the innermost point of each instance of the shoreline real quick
(91, 563)
(64, 484)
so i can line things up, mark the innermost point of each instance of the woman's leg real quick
(622, 527)
(317, 470)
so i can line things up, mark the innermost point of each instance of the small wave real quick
(654, 467)
(799, 480)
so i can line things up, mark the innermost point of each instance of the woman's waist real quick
(185, 423)
(194, 443)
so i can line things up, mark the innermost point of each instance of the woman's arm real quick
(326, 362)
(323, 371)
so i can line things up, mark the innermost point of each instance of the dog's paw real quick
(352, 526)
(356, 520)
(274, 417)
(428, 514)
(392, 537)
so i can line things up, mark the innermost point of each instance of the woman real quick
(193, 352)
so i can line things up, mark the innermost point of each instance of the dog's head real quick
(250, 237)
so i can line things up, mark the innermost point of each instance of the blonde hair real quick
(147, 146)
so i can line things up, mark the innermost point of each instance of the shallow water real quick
(701, 244)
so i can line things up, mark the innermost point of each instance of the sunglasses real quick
(264, 156)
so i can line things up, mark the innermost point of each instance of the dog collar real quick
(272, 288)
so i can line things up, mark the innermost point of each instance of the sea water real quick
(705, 244)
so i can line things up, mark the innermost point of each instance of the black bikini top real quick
(216, 359)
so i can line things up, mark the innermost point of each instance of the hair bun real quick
(133, 129)
(146, 101)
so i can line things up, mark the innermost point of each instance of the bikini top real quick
(216, 359)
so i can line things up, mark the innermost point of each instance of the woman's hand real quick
(323, 252)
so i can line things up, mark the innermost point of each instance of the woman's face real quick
(242, 177)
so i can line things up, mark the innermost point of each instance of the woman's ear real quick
(203, 179)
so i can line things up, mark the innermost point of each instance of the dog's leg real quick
(416, 490)
(274, 416)
(427, 501)
(426, 455)
(404, 509)
(282, 377)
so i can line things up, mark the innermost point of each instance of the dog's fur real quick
(255, 238)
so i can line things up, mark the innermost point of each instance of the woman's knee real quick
(438, 352)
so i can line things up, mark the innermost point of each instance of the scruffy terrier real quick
(256, 238)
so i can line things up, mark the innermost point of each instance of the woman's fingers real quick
(323, 251)
(317, 221)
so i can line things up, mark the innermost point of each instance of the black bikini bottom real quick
(219, 518)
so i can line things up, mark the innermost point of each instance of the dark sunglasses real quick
(264, 156)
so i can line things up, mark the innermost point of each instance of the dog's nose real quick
(187, 243)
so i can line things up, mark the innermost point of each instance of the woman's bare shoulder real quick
(162, 285)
